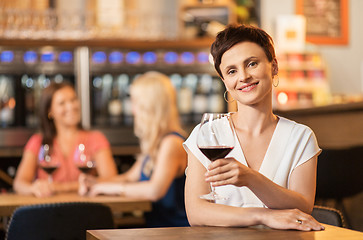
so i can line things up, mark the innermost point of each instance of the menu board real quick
(326, 20)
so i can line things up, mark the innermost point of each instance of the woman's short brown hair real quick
(234, 34)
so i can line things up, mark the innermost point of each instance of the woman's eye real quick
(252, 64)
(231, 71)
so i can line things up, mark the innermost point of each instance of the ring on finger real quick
(299, 221)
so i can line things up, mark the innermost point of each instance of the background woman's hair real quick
(157, 115)
(47, 127)
(234, 34)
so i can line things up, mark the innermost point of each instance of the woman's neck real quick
(67, 132)
(254, 120)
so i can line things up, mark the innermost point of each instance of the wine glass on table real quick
(46, 162)
(215, 140)
(82, 160)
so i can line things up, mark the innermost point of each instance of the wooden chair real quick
(58, 221)
(339, 176)
(328, 215)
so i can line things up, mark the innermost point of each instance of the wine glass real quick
(215, 140)
(82, 160)
(46, 162)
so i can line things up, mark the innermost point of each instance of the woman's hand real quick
(42, 188)
(85, 182)
(107, 188)
(228, 171)
(290, 219)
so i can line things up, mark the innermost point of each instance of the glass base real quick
(212, 196)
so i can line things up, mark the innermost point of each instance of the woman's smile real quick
(248, 87)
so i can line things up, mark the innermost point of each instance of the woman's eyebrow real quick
(244, 62)
(249, 59)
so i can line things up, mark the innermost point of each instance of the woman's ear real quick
(275, 67)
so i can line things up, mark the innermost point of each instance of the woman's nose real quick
(244, 75)
(72, 105)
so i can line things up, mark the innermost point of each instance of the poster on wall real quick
(290, 33)
(326, 20)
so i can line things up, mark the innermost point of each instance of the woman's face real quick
(65, 107)
(247, 73)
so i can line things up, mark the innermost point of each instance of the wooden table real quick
(222, 233)
(119, 205)
(9, 202)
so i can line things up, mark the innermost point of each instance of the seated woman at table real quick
(60, 132)
(269, 177)
(158, 173)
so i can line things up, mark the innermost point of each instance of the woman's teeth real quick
(249, 87)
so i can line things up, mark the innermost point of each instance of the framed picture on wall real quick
(326, 20)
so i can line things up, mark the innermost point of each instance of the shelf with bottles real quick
(112, 70)
(196, 93)
(301, 61)
(303, 81)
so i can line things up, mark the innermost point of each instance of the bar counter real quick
(335, 126)
(12, 141)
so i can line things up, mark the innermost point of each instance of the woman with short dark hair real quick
(269, 177)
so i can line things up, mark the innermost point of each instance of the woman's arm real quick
(169, 164)
(105, 164)
(25, 174)
(202, 212)
(109, 186)
(132, 174)
(300, 195)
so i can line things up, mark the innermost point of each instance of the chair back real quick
(328, 215)
(339, 173)
(58, 221)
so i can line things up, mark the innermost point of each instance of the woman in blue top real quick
(158, 173)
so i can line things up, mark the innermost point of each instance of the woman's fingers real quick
(291, 219)
(226, 171)
(221, 179)
(41, 188)
(95, 190)
(308, 223)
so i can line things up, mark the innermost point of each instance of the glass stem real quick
(50, 178)
(211, 187)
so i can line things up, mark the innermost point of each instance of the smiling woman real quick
(58, 144)
(244, 67)
(269, 176)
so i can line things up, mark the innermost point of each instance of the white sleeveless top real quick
(291, 145)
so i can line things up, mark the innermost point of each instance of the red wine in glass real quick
(83, 160)
(215, 140)
(49, 169)
(87, 167)
(46, 162)
(214, 153)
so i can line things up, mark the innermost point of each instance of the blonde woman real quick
(158, 173)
